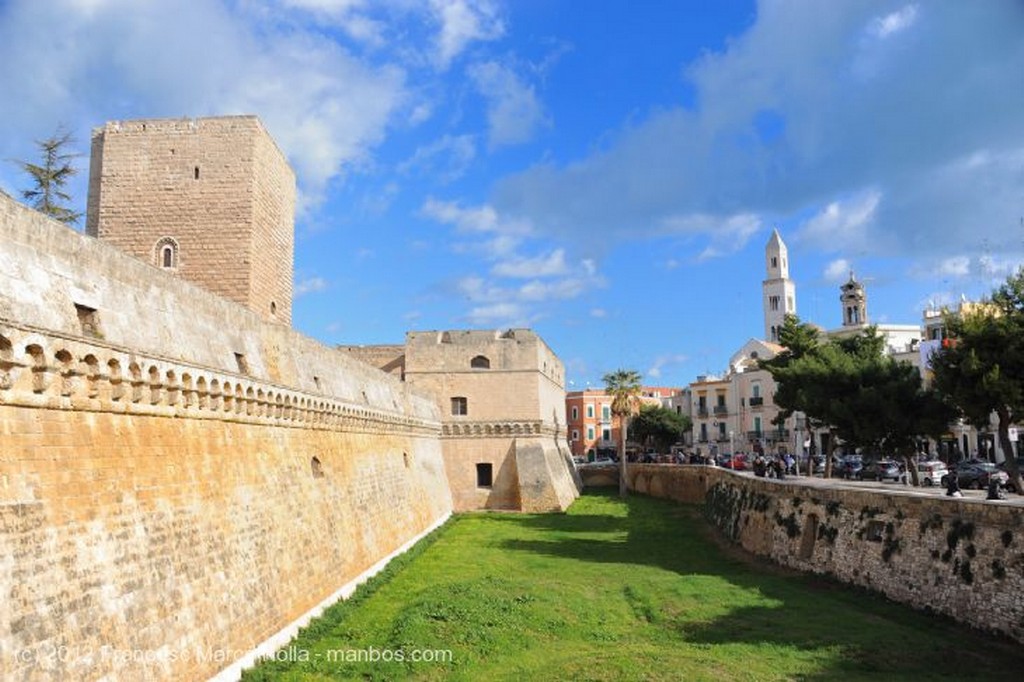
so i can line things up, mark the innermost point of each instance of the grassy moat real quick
(613, 590)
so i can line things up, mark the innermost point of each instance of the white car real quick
(931, 473)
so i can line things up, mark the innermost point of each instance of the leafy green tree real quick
(659, 426)
(982, 368)
(50, 176)
(865, 398)
(623, 385)
(798, 340)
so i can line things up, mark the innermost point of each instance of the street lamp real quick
(798, 427)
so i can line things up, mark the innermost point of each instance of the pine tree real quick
(50, 176)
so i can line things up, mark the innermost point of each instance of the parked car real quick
(932, 473)
(848, 466)
(976, 474)
(879, 470)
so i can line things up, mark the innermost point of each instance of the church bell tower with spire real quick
(778, 289)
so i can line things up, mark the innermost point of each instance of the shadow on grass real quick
(873, 637)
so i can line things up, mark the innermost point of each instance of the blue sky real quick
(604, 172)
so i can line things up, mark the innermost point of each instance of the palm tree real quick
(623, 385)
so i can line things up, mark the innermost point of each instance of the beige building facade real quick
(501, 395)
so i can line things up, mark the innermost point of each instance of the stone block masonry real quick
(217, 190)
(960, 557)
(180, 481)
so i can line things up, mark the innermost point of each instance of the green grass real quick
(613, 590)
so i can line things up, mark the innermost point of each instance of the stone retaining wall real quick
(956, 556)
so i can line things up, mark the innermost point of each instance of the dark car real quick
(880, 470)
(848, 466)
(975, 474)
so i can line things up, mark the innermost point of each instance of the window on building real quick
(575, 435)
(590, 433)
(721, 400)
(606, 434)
(484, 475)
(590, 411)
(606, 412)
(775, 262)
(757, 426)
(480, 362)
(704, 432)
(166, 253)
(575, 413)
(316, 468)
(243, 366)
(460, 406)
(89, 320)
(721, 429)
(755, 390)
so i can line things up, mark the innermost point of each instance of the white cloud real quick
(956, 266)
(461, 23)
(326, 108)
(513, 113)
(549, 265)
(445, 159)
(842, 223)
(663, 361)
(783, 125)
(837, 271)
(499, 313)
(599, 313)
(474, 219)
(309, 285)
(892, 23)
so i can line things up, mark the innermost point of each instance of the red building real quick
(590, 425)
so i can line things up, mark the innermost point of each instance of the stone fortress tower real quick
(210, 199)
(855, 303)
(779, 291)
(501, 395)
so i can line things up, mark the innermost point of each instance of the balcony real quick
(702, 411)
(757, 401)
(755, 435)
(721, 410)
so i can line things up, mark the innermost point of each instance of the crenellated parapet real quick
(48, 370)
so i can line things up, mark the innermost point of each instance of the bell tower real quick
(855, 303)
(779, 292)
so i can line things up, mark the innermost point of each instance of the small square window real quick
(89, 320)
(460, 406)
(484, 475)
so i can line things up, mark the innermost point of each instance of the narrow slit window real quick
(195, 173)
(243, 366)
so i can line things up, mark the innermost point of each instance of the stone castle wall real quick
(180, 482)
(219, 187)
(386, 358)
(514, 419)
(956, 556)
